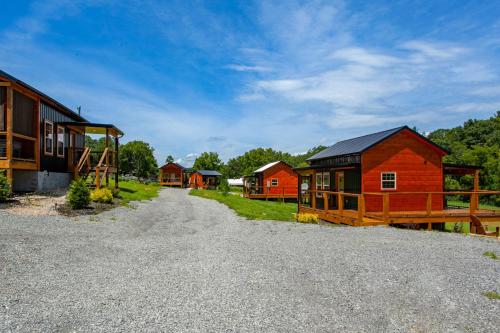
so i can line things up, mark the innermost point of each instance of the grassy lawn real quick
(136, 191)
(236, 189)
(251, 209)
(458, 203)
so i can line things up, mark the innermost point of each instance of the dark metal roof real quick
(209, 173)
(177, 164)
(64, 108)
(362, 143)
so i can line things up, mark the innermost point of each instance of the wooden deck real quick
(427, 216)
(175, 183)
(280, 193)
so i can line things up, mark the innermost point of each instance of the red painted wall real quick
(418, 167)
(196, 180)
(172, 168)
(287, 178)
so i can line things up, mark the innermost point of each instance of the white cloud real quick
(488, 91)
(434, 50)
(245, 68)
(364, 57)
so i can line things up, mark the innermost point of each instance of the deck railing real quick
(270, 191)
(397, 207)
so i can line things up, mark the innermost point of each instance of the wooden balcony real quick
(330, 206)
(273, 192)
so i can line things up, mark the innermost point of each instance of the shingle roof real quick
(209, 173)
(267, 166)
(177, 164)
(362, 143)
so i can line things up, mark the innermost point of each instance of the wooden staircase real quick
(101, 170)
(476, 227)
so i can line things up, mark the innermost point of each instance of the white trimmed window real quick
(60, 141)
(48, 138)
(388, 181)
(274, 182)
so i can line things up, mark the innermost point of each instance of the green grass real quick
(251, 209)
(136, 191)
(492, 295)
(236, 189)
(461, 204)
(491, 255)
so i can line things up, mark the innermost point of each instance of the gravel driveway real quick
(186, 264)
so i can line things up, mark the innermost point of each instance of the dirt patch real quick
(34, 204)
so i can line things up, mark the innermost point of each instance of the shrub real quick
(491, 255)
(224, 186)
(306, 218)
(79, 194)
(4, 187)
(102, 195)
(115, 191)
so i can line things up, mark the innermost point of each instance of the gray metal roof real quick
(355, 145)
(209, 173)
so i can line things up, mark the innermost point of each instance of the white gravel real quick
(186, 264)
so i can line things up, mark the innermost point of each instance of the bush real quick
(224, 186)
(115, 191)
(79, 194)
(306, 218)
(102, 195)
(4, 187)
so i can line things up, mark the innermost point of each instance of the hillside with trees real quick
(476, 142)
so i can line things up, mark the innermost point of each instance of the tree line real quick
(476, 142)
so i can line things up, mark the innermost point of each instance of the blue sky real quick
(227, 76)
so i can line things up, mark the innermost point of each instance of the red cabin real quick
(276, 180)
(173, 174)
(394, 176)
(205, 179)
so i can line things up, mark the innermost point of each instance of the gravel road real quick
(187, 264)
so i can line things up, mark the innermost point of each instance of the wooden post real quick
(476, 188)
(429, 209)
(473, 203)
(361, 209)
(313, 200)
(107, 156)
(325, 201)
(385, 206)
(340, 203)
(9, 127)
(117, 161)
(97, 178)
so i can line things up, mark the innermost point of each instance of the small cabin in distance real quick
(173, 174)
(388, 177)
(205, 179)
(275, 180)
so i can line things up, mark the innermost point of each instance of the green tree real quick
(137, 159)
(208, 161)
(169, 159)
(4, 187)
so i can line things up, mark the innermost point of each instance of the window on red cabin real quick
(274, 182)
(388, 180)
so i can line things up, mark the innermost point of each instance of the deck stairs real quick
(94, 174)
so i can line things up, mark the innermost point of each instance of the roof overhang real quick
(460, 169)
(94, 128)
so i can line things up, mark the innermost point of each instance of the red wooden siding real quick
(418, 167)
(172, 168)
(196, 180)
(287, 179)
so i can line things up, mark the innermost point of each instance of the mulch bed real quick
(93, 209)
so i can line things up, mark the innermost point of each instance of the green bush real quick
(4, 187)
(102, 195)
(79, 194)
(224, 186)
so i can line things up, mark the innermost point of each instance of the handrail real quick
(104, 154)
(83, 159)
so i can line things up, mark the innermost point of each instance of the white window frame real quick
(382, 181)
(57, 141)
(318, 185)
(45, 138)
(274, 182)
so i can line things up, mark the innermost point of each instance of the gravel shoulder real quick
(186, 264)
